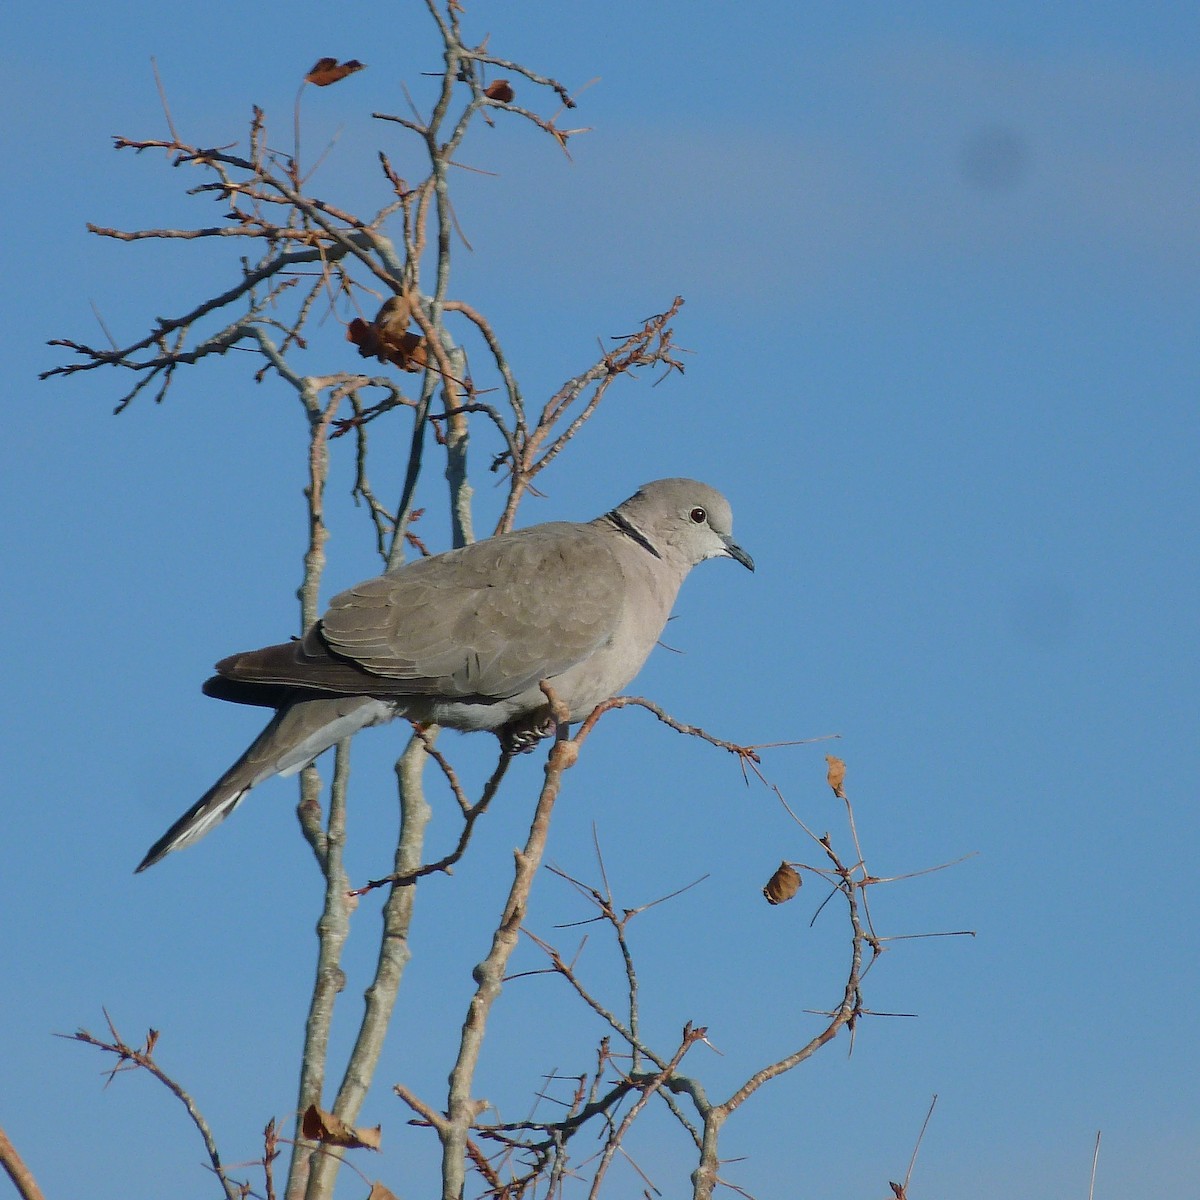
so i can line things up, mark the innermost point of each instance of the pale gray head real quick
(683, 519)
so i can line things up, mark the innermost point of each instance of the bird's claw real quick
(522, 735)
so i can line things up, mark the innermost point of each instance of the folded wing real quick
(488, 621)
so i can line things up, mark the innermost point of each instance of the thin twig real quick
(912, 1162)
(135, 1058)
(471, 815)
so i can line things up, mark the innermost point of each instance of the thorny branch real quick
(471, 814)
(574, 403)
(533, 1153)
(743, 753)
(130, 1058)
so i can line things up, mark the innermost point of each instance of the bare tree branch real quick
(17, 1171)
(129, 1058)
(462, 1109)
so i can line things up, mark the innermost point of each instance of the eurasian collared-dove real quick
(464, 638)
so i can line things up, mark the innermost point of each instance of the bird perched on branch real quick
(463, 639)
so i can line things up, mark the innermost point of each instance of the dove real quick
(463, 639)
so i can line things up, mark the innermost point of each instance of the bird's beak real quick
(735, 551)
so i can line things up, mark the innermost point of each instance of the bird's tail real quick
(297, 733)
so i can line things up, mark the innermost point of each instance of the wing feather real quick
(491, 619)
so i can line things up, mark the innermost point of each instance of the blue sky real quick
(941, 268)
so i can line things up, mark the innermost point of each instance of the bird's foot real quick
(523, 734)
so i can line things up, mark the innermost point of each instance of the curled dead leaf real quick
(388, 337)
(836, 775)
(783, 885)
(499, 90)
(321, 1126)
(328, 70)
(379, 1192)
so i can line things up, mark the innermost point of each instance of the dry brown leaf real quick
(388, 337)
(321, 1126)
(394, 315)
(379, 1192)
(499, 90)
(328, 70)
(783, 885)
(361, 334)
(836, 775)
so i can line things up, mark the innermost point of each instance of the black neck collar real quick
(631, 530)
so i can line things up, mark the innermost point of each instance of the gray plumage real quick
(464, 638)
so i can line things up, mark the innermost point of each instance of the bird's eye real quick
(698, 515)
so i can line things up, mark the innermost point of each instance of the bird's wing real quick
(490, 620)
